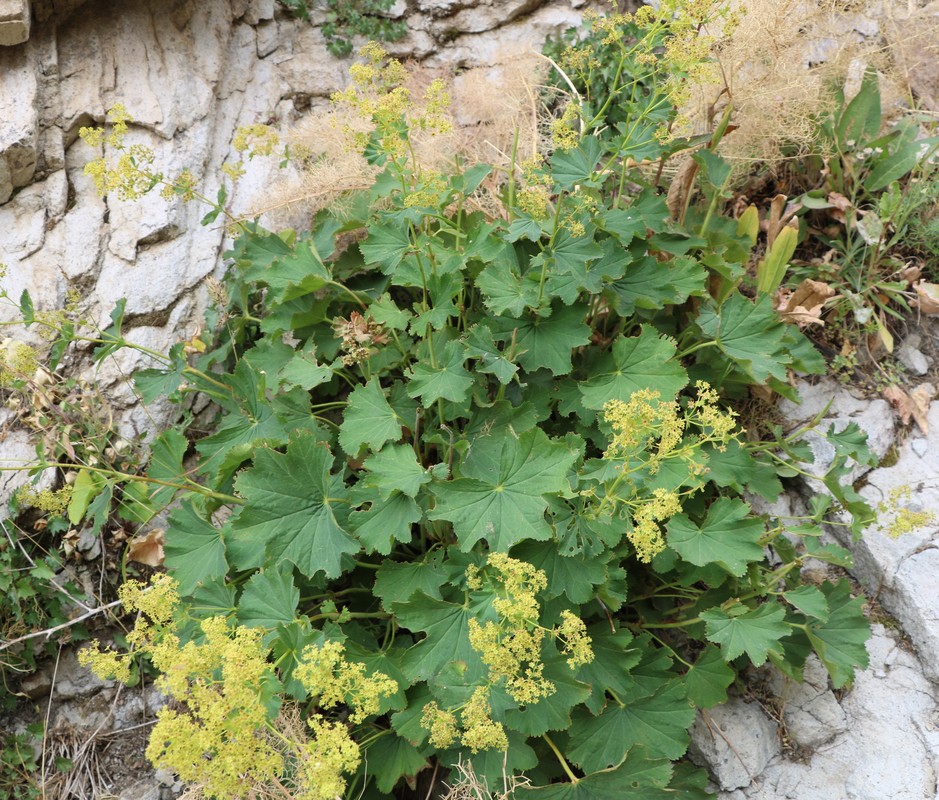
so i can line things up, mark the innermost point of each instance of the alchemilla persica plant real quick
(477, 496)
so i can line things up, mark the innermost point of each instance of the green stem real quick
(126, 476)
(561, 759)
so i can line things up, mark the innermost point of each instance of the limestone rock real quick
(810, 709)
(902, 570)
(911, 357)
(889, 746)
(486, 15)
(14, 21)
(19, 118)
(874, 417)
(735, 741)
(507, 41)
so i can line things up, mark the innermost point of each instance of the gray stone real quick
(142, 790)
(486, 15)
(874, 417)
(912, 358)
(810, 710)
(888, 748)
(901, 569)
(508, 41)
(19, 118)
(14, 21)
(735, 741)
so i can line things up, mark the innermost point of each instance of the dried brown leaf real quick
(147, 549)
(927, 297)
(921, 397)
(912, 407)
(805, 304)
(901, 401)
(681, 186)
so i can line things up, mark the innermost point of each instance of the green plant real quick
(19, 765)
(475, 493)
(875, 189)
(346, 19)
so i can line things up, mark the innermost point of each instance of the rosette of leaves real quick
(416, 385)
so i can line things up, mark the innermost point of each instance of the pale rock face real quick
(14, 21)
(735, 741)
(19, 118)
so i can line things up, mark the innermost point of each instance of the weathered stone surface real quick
(485, 15)
(902, 570)
(887, 750)
(875, 417)
(735, 741)
(498, 45)
(911, 357)
(14, 21)
(19, 118)
(810, 710)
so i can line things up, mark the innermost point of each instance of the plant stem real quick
(561, 759)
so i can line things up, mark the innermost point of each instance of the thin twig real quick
(49, 631)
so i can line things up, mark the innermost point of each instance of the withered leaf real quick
(147, 549)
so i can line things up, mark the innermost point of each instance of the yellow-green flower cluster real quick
(431, 191)
(534, 197)
(611, 25)
(378, 95)
(221, 738)
(716, 424)
(521, 582)
(435, 109)
(646, 535)
(47, 501)
(184, 186)
(513, 653)
(643, 422)
(323, 762)
(477, 729)
(565, 131)
(576, 643)
(131, 177)
(480, 731)
(256, 140)
(18, 362)
(157, 604)
(442, 725)
(578, 60)
(511, 648)
(325, 672)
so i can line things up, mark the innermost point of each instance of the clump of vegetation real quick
(475, 508)
(348, 19)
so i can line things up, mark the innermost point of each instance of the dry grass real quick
(489, 104)
(779, 66)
